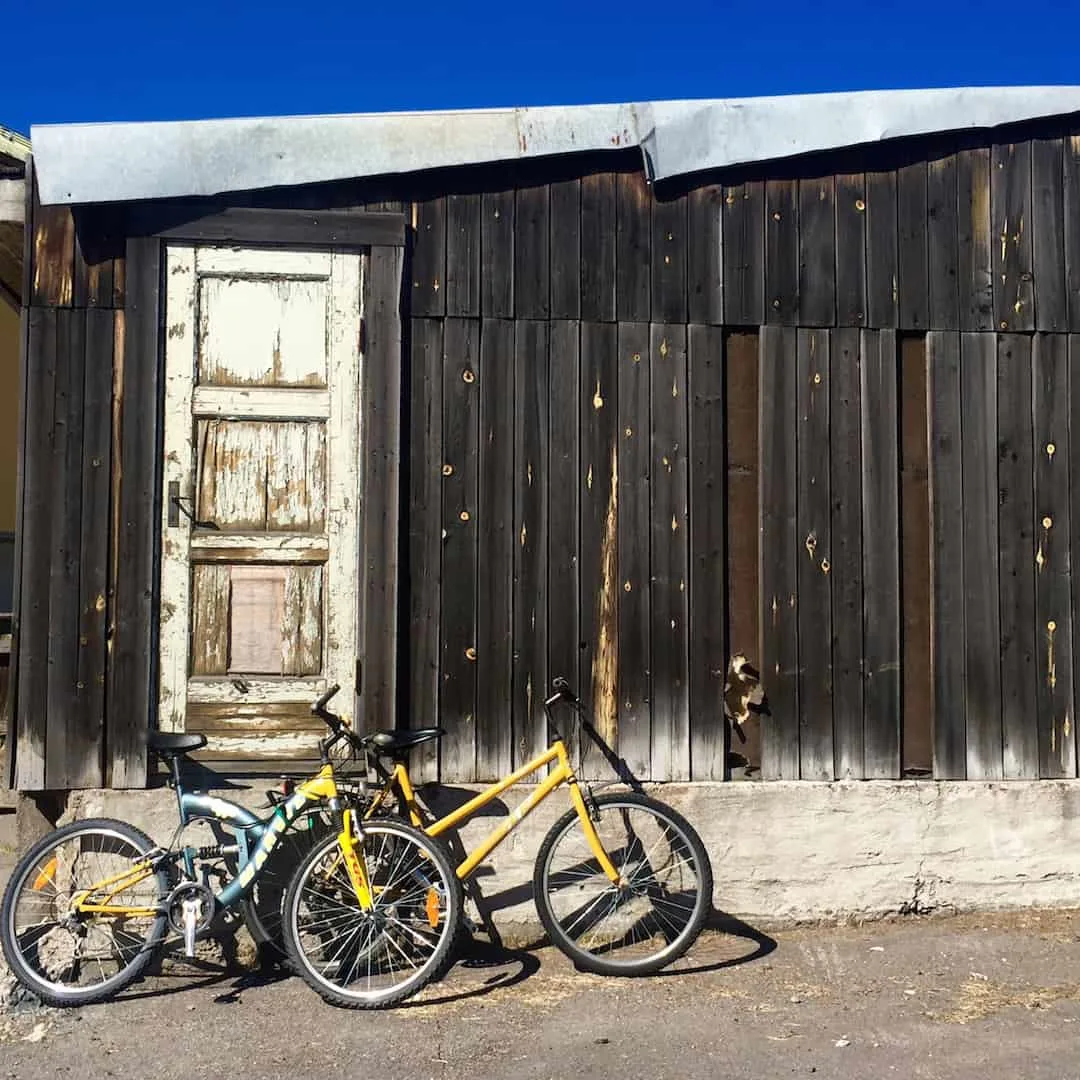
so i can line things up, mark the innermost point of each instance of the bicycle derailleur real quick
(191, 908)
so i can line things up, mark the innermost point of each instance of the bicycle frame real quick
(563, 773)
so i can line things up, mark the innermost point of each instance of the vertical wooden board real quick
(708, 554)
(425, 480)
(705, 255)
(130, 687)
(913, 286)
(565, 248)
(210, 599)
(781, 252)
(744, 254)
(978, 385)
(53, 273)
(429, 263)
(495, 559)
(882, 608)
(1071, 154)
(778, 423)
(974, 265)
(532, 257)
(817, 252)
(497, 227)
(599, 568)
(1010, 204)
(1074, 506)
(635, 627)
(813, 534)
(530, 539)
(845, 478)
(851, 250)
(1016, 566)
(36, 534)
(669, 259)
(598, 238)
(1053, 577)
(633, 247)
(1048, 234)
(457, 614)
(92, 285)
(882, 271)
(942, 242)
(463, 269)
(564, 487)
(670, 554)
(947, 631)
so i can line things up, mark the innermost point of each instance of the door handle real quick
(177, 507)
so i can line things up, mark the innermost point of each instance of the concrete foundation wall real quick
(786, 852)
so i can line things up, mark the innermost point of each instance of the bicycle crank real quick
(191, 907)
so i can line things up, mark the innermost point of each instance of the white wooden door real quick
(260, 510)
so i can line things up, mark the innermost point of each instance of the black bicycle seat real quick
(397, 742)
(169, 744)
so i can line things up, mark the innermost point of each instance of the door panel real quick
(262, 444)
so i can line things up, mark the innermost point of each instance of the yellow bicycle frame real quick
(561, 774)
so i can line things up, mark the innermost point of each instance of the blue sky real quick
(157, 60)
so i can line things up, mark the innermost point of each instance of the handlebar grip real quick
(562, 688)
(320, 705)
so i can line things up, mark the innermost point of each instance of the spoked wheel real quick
(649, 920)
(71, 957)
(371, 959)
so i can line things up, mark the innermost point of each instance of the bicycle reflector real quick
(432, 908)
(48, 872)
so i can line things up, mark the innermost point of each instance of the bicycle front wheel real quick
(657, 911)
(374, 958)
(63, 950)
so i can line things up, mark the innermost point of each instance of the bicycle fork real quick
(355, 864)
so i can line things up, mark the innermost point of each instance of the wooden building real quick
(441, 406)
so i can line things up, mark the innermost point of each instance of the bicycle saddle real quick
(168, 744)
(396, 742)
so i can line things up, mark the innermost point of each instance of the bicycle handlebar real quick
(319, 708)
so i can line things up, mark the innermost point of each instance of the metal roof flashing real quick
(101, 163)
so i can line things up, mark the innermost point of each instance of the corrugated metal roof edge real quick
(77, 163)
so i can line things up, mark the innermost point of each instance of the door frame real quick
(134, 638)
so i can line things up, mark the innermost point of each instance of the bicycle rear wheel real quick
(375, 958)
(653, 917)
(68, 957)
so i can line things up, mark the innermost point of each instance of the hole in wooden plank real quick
(917, 739)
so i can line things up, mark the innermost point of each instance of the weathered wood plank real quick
(978, 385)
(1053, 577)
(134, 638)
(599, 569)
(635, 456)
(708, 554)
(463, 269)
(497, 224)
(532, 253)
(598, 237)
(943, 239)
(461, 452)
(974, 269)
(428, 292)
(882, 607)
(669, 259)
(633, 247)
(530, 539)
(210, 598)
(1010, 202)
(93, 284)
(778, 420)
(913, 285)
(845, 479)
(53, 271)
(814, 536)
(425, 481)
(495, 558)
(670, 554)
(882, 270)
(947, 556)
(564, 486)
(1071, 153)
(782, 252)
(851, 250)
(565, 249)
(817, 252)
(1048, 234)
(1016, 566)
(705, 255)
(1074, 505)
(744, 254)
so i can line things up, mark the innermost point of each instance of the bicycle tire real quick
(330, 902)
(637, 920)
(43, 861)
